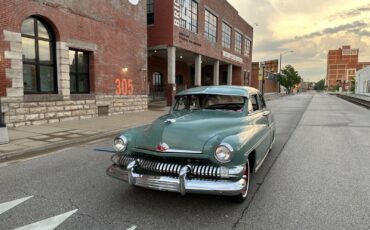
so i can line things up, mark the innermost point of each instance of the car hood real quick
(188, 130)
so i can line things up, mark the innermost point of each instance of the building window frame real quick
(78, 73)
(37, 63)
(226, 35)
(247, 47)
(210, 26)
(238, 42)
(150, 12)
(189, 15)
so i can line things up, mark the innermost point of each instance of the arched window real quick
(38, 51)
(157, 82)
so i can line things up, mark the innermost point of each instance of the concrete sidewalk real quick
(43, 138)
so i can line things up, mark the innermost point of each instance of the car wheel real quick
(244, 193)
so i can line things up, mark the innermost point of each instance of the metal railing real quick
(2, 121)
(355, 100)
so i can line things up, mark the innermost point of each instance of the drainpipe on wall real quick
(4, 137)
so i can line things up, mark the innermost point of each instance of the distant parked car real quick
(210, 142)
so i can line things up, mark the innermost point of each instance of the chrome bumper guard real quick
(180, 184)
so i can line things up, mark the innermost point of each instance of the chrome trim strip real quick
(181, 151)
(263, 159)
(181, 185)
(173, 151)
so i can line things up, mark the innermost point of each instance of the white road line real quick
(11, 204)
(132, 228)
(48, 224)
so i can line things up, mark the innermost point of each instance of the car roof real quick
(228, 90)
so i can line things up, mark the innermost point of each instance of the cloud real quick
(332, 30)
(310, 28)
(351, 13)
(279, 45)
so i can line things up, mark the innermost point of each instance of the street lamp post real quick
(281, 55)
(263, 76)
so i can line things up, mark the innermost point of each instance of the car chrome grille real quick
(173, 168)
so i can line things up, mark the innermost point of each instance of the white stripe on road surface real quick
(132, 228)
(48, 224)
(11, 204)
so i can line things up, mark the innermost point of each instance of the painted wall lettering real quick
(124, 87)
(176, 12)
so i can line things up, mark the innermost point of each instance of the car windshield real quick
(209, 102)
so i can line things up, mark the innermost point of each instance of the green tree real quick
(353, 85)
(320, 85)
(289, 78)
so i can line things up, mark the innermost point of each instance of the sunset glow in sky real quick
(309, 28)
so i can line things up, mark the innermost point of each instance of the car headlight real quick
(120, 143)
(224, 153)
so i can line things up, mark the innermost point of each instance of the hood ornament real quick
(162, 147)
(170, 121)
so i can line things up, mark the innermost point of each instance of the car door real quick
(270, 121)
(260, 118)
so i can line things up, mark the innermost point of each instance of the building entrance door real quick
(157, 86)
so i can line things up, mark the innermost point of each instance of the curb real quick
(36, 151)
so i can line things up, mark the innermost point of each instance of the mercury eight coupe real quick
(210, 142)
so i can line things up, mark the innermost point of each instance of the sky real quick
(307, 27)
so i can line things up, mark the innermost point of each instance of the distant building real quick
(342, 65)
(363, 81)
(270, 84)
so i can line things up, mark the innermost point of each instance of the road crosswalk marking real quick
(11, 204)
(48, 224)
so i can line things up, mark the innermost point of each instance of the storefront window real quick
(79, 71)
(238, 42)
(189, 15)
(210, 29)
(38, 52)
(150, 11)
(226, 36)
(247, 47)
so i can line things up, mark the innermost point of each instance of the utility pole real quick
(263, 77)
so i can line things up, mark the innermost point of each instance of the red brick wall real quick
(4, 83)
(254, 77)
(117, 28)
(162, 30)
(269, 86)
(338, 64)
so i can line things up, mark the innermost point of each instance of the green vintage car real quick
(210, 142)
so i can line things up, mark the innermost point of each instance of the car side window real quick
(253, 103)
(261, 101)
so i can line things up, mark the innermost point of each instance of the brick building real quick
(63, 60)
(342, 66)
(194, 43)
(270, 85)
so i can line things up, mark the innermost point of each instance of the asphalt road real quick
(317, 176)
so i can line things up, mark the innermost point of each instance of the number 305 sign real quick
(124, 87)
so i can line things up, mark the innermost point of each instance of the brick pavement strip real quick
(33, 140)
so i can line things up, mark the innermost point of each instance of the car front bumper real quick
(180, 184)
